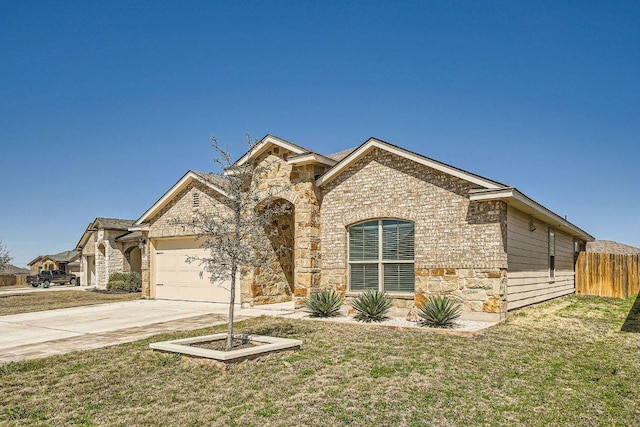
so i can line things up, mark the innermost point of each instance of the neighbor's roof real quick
(66, 256)
(113, 223)
(104, 223)
(611, 247)
(12, 269)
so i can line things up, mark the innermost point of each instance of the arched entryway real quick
(276, 282)
(133, 260)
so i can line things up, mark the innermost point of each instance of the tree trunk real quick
(232, 298)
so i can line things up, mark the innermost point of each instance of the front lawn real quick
(562, 363)
(50, 300)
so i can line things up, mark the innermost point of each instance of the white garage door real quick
(175, 278)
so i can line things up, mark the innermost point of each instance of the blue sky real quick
(105, 105)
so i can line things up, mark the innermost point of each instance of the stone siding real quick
(173, 219)
(463, 240)
(295, 184)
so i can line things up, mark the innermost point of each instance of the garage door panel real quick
(175, 278)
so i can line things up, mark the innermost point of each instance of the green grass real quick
(562, 363)
(40, 301)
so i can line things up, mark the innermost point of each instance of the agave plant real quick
(371, 306)
(439, 312)
(325, 303)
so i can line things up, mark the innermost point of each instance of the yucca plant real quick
(439, 311)
(371, 306)
(325, 303)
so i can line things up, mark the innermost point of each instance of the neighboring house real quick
(67, 261)
(611, 247)
(106, 247)
(12, 275)
(374, 217)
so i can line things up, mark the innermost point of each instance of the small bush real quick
(117, 276)
(325, 303)
(438, 312)
(133, 281)
(124, 282)
(117, 286)
(371, 306)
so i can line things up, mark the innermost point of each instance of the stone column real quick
(145, 262)
(307, 244)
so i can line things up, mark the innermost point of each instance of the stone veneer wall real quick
(459, 245)
(295, 184)
(276, 283)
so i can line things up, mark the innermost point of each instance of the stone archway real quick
(133, 260)
(276, 283)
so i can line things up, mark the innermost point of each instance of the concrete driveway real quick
(45, 333)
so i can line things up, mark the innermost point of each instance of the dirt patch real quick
(221, 345)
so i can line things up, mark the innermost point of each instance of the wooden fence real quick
(11, 279)
(608, 275)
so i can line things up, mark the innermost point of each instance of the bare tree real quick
(238, 232)
(5, 256)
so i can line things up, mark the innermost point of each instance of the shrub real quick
(117, 276)
(117, 286)
(124, 282)
(325, 303)
(133, 282)
(439, 312)
(371, 306)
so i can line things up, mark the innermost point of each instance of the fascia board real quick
(262, 146)
(513, 197)
(309, 159)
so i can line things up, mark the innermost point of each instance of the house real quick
(67, 261)
(107, 246)
(374, 217)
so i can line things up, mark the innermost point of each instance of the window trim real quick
(380, 261)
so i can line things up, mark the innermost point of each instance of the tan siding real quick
(528, 280)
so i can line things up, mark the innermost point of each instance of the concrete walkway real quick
(45, 333)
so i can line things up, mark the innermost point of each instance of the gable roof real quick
(300, 156)
(104, 223)
(373, 143)
(264, 144)
(113, 223)
(212, 181)
(65, 256)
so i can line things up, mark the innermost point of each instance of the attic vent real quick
(196, 200)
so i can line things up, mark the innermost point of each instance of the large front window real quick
(381, 256)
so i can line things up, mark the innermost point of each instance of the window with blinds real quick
(381, 256)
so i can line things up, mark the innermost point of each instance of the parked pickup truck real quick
(47, 278)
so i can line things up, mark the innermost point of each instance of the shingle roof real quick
(65, 256)
(132, 236)
(114, 223)
(611, 247)
(12, 269)
(214, 179)
(341, 154)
